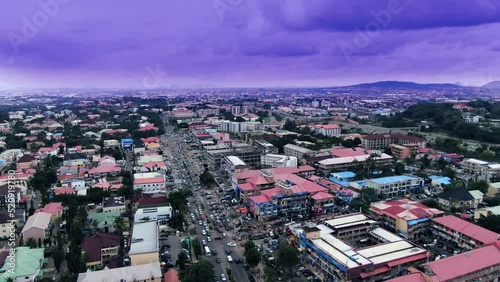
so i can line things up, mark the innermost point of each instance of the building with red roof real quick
(103, 171)
(476, 265)
(461, 233)
(54, 209)
(100, 249)
(349, 152)
(26, 162)
(284, 194)
(172, 275)
(408, 218)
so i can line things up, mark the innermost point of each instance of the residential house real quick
(100, 249)
(26, 162)
(10, 221)
(54, 209)
(37, 226)
(460, 198)
(29, 265)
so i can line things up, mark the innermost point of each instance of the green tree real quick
(31, 242)
(270, 274)
(251, 254)
(287, 259)
(119, 225)
(480, 185)
(200, 271)
(178, 200)
(177, 221)
(197, 248)
(430, 203)
(491, 222)
(58, 256)
(399, 169)
(181, 260)
(207, 178)
(290, 125)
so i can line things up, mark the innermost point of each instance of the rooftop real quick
(392, 179)
(144, 238)
(405, 209)
(40, 220)
(472, 230)
(454, 267)
(27, 263)
(142, 272)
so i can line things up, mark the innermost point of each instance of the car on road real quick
(231, 244)
(209, 239)
(229, 259)
(203, 232)
(217, 260)
(223, 277)
(203, 242)
(224, 235)
(218, 238)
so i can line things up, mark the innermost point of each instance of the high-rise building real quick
(235, 110)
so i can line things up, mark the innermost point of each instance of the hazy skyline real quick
(71, 43)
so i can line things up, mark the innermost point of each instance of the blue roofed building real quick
(394, 186)
(439, 181)
(342, 178)
(127, 144)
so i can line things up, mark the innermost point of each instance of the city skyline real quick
(241, 43)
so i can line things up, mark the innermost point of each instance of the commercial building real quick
(291, 196)
(327, 129)
(484, 170)
(265, 147)
(251, 182)
(245, 152)
(144, 245)
(150, 182)
(272, 160)
(127, 144)
(144, 272)
(233, 164)
(235, 127)
(296, 151)
(393, 186)
(407, 218)
(113, 204)
(351, 248)
(345, 163)
(153, 214)
(482, 264)
(462, 234)
(382, 141)
(402, 152)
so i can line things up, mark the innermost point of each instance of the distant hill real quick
(405, 85)
(492, 85)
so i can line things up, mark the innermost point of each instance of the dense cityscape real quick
(249, 141)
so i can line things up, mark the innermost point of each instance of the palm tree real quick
(119, 225)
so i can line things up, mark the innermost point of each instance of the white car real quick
(209, 239)
(224, 235)
(223, 277)
(203, 232)
(229, 259)
(203, 242)
(231, 244)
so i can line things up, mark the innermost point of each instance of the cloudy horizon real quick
(243, 43)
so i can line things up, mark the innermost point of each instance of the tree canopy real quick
(200, 271)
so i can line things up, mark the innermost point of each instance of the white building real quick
(150, 182)
(296, 151)
(272, 160)
(233, 164)
(143, 272)
(153, 214)
(144, 245)
(393, 186)
(327, 129)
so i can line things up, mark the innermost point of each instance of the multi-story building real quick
(150, 271)
(351, 248)
(393, 186)
(265, 147)
(235, 110)
(382, 141)
(290, 197)
(296, 151)
(327, 129)
(402, 152)
(144, 245)
(251, 182)
(150, 182)
(153, 214)
(233, 164)
(272, 160)
(493, 189)
(37, 227)
(481, 264)
(345, 163)
(113, 204)
(100, 249)
(407, 218)
(247, 153)
(32, 261)
(462, 234)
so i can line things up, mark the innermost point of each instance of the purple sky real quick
(247, 42)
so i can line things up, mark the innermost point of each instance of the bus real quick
(207, 251)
